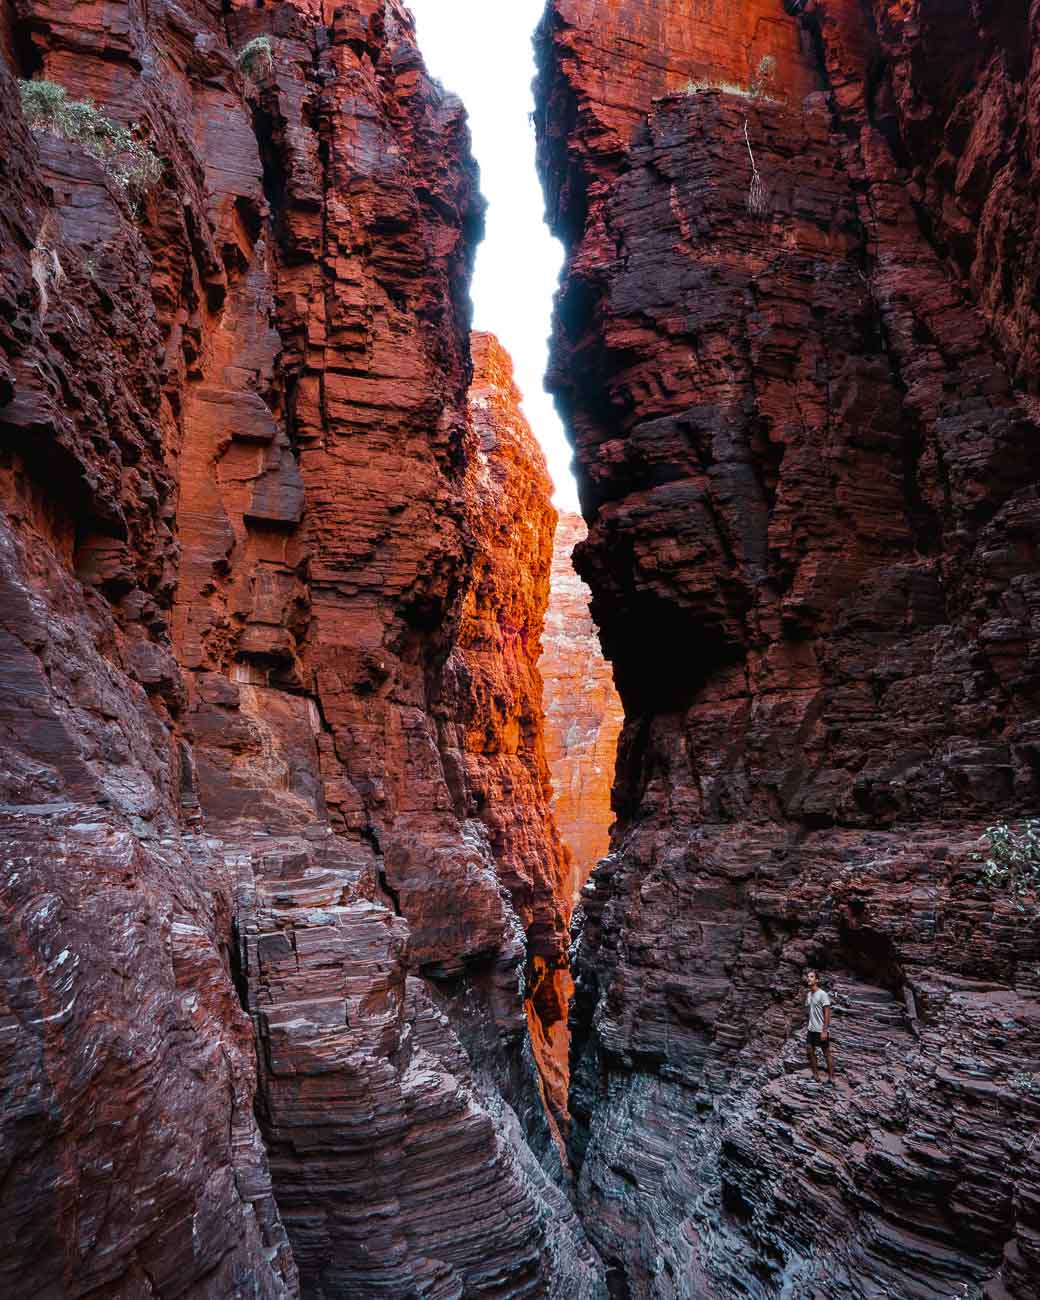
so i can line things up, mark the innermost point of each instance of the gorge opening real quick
(485, 55)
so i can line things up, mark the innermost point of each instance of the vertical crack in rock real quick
(807, 453)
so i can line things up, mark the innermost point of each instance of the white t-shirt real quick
(816, 1002)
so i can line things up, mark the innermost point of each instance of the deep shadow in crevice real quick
(233, 956)
(869, 953)
(28, 57)
(617, 1281)
(391, 893)
(268, 130)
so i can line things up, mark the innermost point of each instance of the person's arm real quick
(827, 1021)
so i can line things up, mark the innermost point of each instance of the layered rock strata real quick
(268, 957)
(493, 671)
(583, 714)
(804, 421)
(132, 1162)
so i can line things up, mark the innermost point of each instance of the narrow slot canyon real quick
(416, 860)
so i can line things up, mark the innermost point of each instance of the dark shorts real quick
(816, 1039)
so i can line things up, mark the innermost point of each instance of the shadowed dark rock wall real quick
(808, 458)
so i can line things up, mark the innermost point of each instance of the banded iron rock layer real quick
(279, 890)
(583, 714)
(807, 450)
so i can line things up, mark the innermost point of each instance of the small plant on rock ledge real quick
(727, 87)
(764, 74)
(758, 87)
(256, 58)
(125, 160)
(1012, 863)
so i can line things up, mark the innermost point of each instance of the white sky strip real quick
(482, 52)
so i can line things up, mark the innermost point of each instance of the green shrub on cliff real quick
(1012, 862)
(256, 58)
(125, 160)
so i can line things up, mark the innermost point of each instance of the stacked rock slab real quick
(583, 714)
(266, 970)
(808, 457)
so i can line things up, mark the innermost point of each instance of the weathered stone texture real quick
(132, 1162)
(808, 459)
(583, 714)
(493, 677)
(244, 507)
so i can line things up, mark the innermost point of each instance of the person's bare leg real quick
(811, 1054)
(830, 1062)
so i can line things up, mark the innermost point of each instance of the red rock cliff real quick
(493, 676)
(808, 457)
(259, 932)
(583, 714)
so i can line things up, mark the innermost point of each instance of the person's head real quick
(812, 981)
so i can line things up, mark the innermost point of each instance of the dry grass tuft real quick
(46, 270)
(256, 58)
(124, 159)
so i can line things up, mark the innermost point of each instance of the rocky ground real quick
(283, 911)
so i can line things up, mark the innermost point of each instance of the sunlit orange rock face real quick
(275, 907)
(493, 673)
(583, 714)
(807, 451)
(646, 48)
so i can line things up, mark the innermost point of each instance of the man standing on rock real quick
(819, 1007)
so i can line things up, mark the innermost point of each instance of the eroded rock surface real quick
(808, 457)
(583, 714)
(132, 1162)
(494, 680)
(268, 952)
